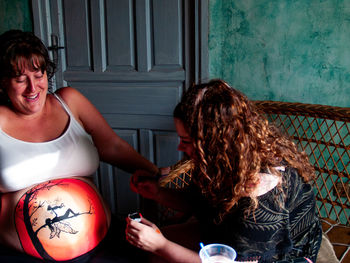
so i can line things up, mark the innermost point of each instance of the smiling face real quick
(185, 144)
(25, 68)
(27, 90)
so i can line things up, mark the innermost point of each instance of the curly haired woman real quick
(250, 186)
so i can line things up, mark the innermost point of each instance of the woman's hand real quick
(145, 235)
(145, 184)
(148, 187)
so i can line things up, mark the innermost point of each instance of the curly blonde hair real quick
(233, 143)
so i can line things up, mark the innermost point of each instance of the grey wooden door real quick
(132, 59)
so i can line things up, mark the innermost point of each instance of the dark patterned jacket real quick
(283, 230)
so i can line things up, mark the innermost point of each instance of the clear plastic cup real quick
(217, 253)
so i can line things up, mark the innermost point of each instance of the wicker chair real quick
(323, 132)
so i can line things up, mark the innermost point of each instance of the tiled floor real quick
(339, 235)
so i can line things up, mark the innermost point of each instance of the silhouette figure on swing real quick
(56, 225)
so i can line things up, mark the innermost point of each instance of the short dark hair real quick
(16, 47)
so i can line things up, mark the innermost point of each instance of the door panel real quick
(157, 99)
(76, 35)
(132, 59)
(168, 39)
(120, 54)
(132, 38)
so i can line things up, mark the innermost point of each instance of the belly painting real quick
(60, 219)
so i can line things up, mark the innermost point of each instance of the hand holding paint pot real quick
(217, 253)
(143, 234)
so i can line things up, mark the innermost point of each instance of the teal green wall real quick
(287, 50)
(15, 14)
(283, 50)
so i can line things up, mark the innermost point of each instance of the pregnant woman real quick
(50, 145)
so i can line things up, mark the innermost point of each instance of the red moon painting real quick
(60, 219)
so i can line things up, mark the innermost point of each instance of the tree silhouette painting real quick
(42, 208)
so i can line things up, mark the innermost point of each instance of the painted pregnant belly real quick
(60, 219)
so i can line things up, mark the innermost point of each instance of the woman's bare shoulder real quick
(73, 98)
(68, 93)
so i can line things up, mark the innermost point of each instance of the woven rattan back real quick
(323, 132)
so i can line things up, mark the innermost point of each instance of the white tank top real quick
(23, 164)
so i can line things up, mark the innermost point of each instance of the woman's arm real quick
(146, 235)
(176, 253)
(111, 148)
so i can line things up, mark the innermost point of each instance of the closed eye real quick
(39, 75)
(21, 79)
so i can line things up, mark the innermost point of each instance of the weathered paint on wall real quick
(288, 50)
(15, 14)
(283, 50)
